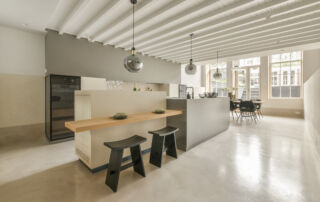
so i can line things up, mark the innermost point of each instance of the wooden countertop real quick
(97, 123)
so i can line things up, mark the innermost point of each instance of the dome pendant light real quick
(217, 74)
(191, 68)
(133, 63)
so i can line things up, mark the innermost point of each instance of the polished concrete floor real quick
(268, 161)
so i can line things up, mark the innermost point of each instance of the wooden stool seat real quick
(114, 166)
(126, 143)
(164, 131)
(163, 138)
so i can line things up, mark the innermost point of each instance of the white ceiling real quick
(234, 27)
(27, 14)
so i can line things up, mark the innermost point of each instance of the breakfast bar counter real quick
(93, 124)
(97, 123)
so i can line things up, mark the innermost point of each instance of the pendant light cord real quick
(191, 46)
(133, 25)
(217, 62)
(217, 59)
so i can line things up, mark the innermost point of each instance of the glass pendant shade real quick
(133, 63)
(191, 68)
(217, 75)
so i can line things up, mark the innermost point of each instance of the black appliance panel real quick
(62, 104)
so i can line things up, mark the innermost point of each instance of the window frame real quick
(270, 77)
(248, 78)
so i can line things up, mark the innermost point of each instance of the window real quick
(275, 79)
(218, 85)
(285, 78)
(247, 78)
(286, 75)
(254, 82)
(242, 84)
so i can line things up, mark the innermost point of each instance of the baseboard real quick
(294, 113)
(105, 166)
(23, 133)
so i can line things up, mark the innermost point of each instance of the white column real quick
(229, 75)
(264, 88)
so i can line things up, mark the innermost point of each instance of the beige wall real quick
(91, 83)
(312, 95)
(22, 108)
(22, 68)
(22, 100)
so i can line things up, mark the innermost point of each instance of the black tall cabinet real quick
(60, 105)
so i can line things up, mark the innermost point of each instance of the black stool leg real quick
(156, 150)
(170, 143)
(137, 160)
(113, 172)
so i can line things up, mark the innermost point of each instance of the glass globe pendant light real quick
(191, 68)
(132, 62)
(217, 74)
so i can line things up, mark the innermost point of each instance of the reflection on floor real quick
(267, 161)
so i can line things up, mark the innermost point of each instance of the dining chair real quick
(258, 110)
(233, 109)
(248, 109)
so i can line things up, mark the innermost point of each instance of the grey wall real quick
(312, 95)
(70, 56)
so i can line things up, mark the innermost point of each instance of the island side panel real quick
(82, 108)
(179, 121)
(206, 118)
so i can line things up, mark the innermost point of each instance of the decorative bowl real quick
(119, 116)
(159, 111)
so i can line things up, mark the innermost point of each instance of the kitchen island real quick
(93, 124)
(201, 120)
(197, 120)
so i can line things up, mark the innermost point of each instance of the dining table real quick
(256, 102)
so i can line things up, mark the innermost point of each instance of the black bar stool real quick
(164, 137)
(115, 160)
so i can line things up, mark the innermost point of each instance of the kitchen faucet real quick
(192, 91)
